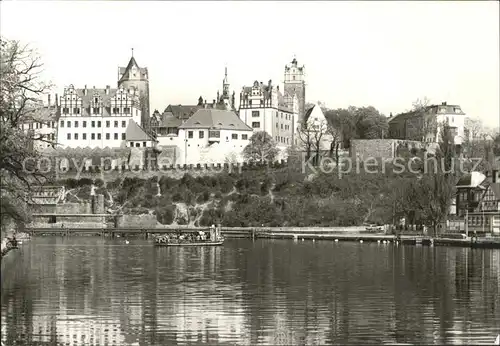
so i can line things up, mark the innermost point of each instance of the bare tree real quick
(423, 126)
(20, 92)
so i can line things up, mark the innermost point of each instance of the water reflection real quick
(91, 291)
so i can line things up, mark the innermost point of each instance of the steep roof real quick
(495, 187)
(182, 112)
(215, 119)
(136, 133)
(167, 119)
(472, 180)
(124, 72)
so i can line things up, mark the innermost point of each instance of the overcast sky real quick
(383, 54)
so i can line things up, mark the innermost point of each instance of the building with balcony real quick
(425, 125)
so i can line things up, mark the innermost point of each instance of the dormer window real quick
(96, 100)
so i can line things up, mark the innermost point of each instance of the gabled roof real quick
(472, 180)
(215, 119)
(495, 187)
(182, 112)
(136, 133)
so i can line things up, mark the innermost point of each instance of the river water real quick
(94, 291)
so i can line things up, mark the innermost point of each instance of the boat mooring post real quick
(253, 233)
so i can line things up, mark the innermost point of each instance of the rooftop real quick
(215, 119)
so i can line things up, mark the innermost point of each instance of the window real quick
(190, 134)
(84, 136)
(107, 135)
(76, 123)
(99, 124)
(116, 123)
(137, 145)
(256, 124)
(92, 136)
(107, 123)
(131, 144)
(255, 114)
(65, 110)
(282, 126)
(76, 136)
(84, 124)
(201, 134)
(93, 123)
(277, 125)
(98, 136)
(124, 124)
(68, 136)
(214, 134)
(62, 123)
(116, 136)
(234, 136)
(116, 110)
(68, 124)
(123, 136)
(126, 110)
(95, 110)
(144, 144)
(96, 100)
(76, 110)
(244, 137)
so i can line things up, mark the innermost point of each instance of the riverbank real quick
(355, 233)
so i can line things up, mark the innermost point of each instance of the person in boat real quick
(13, 241)
(212, 233)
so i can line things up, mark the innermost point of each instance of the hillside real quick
(253, 197)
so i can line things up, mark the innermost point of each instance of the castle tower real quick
(226, 98)
(295, 84)
(136, 77)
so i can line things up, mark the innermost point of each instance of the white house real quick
(96, 118)
(317, 128)
(137, 137)
(208, 136)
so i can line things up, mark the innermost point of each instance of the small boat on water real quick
(201, 238)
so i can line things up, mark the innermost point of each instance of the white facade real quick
(317, 122)
(210, 136)
(96, 118)
(262, 107)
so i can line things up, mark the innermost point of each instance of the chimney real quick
(57, 101)
(495, 176)
(390, 115)
(107, 89)
(443, 103)
(85, 90)
(205, 105)
(48, 100)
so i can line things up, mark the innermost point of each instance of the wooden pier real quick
(295, 233)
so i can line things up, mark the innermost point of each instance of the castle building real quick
(96, 118)
(295, 84)
(264, 108)
(135, 77)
